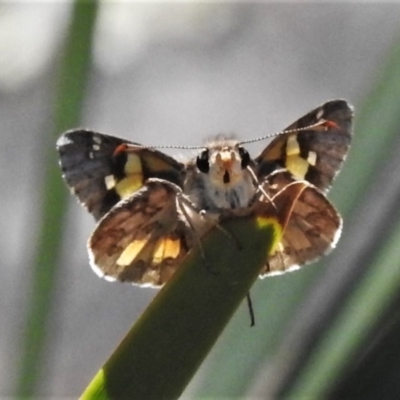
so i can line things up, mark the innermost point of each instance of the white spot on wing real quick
(320, 113)
(109, 180)
(312, 158)
(63, 141)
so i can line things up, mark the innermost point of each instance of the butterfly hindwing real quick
(151, 211)
(101, 172)
(314, 154)
(142, 240)
(312, 230)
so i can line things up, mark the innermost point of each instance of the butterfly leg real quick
(260, 189)
(227, 233)
(183, 203)
(251, 310)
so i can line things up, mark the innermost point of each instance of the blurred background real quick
(178, 73)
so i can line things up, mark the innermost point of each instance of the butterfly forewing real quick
(153, 209)
(142, 239)
(100, 176)
(316, 154)
(312, 230)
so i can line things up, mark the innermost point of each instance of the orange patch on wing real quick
(131, 252)
(297, 166)
(129, 185)
(166, 248)
(331, 124)
(120, 149)
(156, 164)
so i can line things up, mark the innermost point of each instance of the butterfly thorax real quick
(219, 179)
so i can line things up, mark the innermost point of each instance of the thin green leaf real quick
(165, 347)
(357, 319)
(70, 91)
(314, 353)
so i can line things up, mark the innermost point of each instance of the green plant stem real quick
(70, 91)
(164, 349)
(358, 317)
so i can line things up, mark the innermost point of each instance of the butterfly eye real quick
(245, 157)
(202, 161)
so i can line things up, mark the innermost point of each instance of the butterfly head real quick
(220, 178)
(224, 163)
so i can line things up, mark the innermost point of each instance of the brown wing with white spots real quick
(312, 230)
(142, 240)
(100, 175)
(315, 154)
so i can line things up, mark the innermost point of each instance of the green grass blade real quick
(164, 349)
(376, 128)
(358, 317)
(375, 132)
(359, 287)
(70, 91)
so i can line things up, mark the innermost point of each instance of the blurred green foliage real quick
(74, 67)
(363, 323)
(328, 360)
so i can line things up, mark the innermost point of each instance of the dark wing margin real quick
(312, 230)
(143, 239)
(100, 177)
(315, 154)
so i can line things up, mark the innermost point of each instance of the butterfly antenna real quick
(322, 122)
(166, 146)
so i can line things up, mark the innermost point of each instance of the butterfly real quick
(152, 209)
